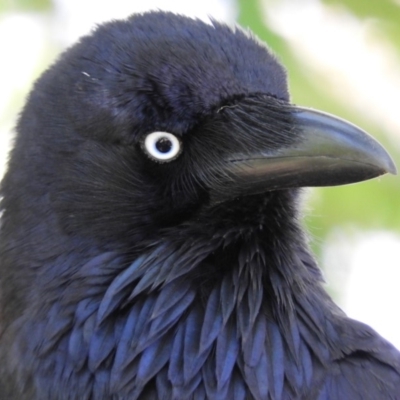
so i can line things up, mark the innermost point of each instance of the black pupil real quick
(163, 145)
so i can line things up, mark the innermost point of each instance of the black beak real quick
(328, 151)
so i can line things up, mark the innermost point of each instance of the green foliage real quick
(25, 5)
(384, 10)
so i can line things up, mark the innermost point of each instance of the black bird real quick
(150, 241)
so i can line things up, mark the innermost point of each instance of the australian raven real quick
(150, 243)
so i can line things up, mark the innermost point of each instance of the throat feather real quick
(152, 321)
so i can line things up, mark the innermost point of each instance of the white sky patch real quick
(78, 17)
(361, 68)
(363, 268)
(373, 292)
(22, 47)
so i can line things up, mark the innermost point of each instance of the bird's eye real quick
(162, 146)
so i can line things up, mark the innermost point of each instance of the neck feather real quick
(160, 318)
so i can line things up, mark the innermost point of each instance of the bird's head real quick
(161, 121)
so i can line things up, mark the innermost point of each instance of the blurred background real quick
(342, 56)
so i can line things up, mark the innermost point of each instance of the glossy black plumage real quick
(124, 278)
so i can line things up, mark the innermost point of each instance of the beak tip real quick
(393, 169)
(390, 166)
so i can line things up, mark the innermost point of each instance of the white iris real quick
(162, 146)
